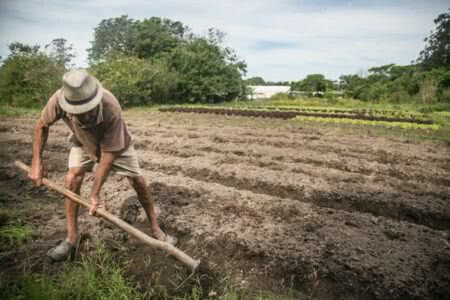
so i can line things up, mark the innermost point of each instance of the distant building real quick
(266, 91)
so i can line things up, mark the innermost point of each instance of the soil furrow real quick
(379, 202)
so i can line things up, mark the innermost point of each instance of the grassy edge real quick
(102, 276)
(10, 111)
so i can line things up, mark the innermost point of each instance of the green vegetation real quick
(29, 76)
(143, 62)
(312, 83)
(125, 75)
(13, 231)
(257, 80)
(399, 84)
(403, 125)
(14, 235)
(436, 53)
(158, 60)
(425, 82)
(11, 111)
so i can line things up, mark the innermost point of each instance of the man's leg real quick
(145, 198)
(73, 181)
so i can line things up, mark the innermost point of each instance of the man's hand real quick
(101, 172)
(95, 203)
(36, 173)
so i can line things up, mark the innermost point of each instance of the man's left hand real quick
(95, 203)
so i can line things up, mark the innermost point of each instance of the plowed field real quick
(269, 204)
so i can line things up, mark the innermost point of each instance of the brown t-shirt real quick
(107, 133)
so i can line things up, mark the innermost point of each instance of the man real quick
(99, 136)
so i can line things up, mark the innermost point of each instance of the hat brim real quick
(83, 108)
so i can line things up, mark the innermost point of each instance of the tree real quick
(144, 39)
(155, 36)
(255, 81)
(112, 36)
(312, 83)
(18, 48)
(61, 52)
(208, 71)
(437, 51)
(136, 81)
(28, 77)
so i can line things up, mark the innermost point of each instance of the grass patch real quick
(96, 277)
(14, 235)
(13, 232)
(10, 111)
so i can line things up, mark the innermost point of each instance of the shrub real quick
(281, 96)
(208, 72)
(29, 79)
(136, 81)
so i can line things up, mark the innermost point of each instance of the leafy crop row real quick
(287, 114)
(384, 113)
(403, 125)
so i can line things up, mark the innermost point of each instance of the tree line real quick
(158, 60)
(425, 80)
(142, 62)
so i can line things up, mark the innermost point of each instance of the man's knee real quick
(137, 181)
(139, 185)
(73, 177)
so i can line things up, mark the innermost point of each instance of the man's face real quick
(89, 116)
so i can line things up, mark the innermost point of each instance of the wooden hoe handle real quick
(191, 263)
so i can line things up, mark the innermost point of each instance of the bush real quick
(29, 79)
(136, 81)
(209, 72)
(281, 96)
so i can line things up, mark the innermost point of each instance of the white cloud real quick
(313, 36)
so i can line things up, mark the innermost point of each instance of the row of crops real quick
(364, 112)
(344, 116)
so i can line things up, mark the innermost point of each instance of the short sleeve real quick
(115, 135)
(52, 112)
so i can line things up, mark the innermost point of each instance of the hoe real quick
(188, 261)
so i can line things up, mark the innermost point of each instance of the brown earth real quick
(265, 204)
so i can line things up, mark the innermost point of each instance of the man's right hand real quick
(36, 173)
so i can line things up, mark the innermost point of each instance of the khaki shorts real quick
(126, 164)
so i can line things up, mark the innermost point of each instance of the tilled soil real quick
(269, 204)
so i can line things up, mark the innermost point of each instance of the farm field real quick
(267, 204)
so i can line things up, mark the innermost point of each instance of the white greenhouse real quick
(266, 91)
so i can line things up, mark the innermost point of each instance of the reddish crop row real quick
(284, 114)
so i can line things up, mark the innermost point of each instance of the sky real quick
(280, 40)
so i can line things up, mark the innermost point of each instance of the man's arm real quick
(101, 173)
(39, 140)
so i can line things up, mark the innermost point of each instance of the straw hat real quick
(80, 92)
